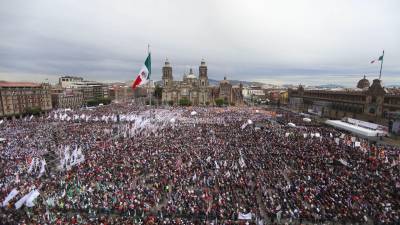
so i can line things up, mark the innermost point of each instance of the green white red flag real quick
(379, 59)
(144, 75)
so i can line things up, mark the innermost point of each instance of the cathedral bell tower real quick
(167, 74)
(203, 74)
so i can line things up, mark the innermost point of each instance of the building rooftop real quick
(75, 77)
(18, 84)
(393, 91)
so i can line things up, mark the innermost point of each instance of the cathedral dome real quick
(224, 81)
(363, 83)
(167, 64)
(203, 62)
(191, 74)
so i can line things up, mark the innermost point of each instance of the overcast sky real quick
(280, 42)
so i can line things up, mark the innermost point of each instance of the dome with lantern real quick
(363, 83)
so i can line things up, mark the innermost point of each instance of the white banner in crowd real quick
(244, 216)
(29, 201)
(216, 165)
(42, 168)
(241, 162)
(343, 162)
(10, 196)
(31, 165)
(337, 140)
(71, 159)
(22, 201)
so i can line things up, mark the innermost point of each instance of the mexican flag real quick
(379, 59)
(144, 75)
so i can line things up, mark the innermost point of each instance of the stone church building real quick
(197, 89)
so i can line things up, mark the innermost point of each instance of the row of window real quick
(27, 93)
(341, 97)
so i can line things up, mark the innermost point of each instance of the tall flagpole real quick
(380, 72)
(149, 87)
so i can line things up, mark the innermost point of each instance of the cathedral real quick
(197, 89)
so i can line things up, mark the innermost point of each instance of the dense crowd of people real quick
(192, 165)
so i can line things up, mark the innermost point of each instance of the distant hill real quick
(393, 86)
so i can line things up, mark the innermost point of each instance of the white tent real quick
(356, 129)
(307, 120)
(291, 125)
(193, 113)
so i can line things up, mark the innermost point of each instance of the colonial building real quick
(18, 97)
(66, 98)
(196, 89)
(68, 81)
(230, 94)
(372, 103)
(90, 89)
(120, 93)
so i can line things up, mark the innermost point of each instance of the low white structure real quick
(356, 129)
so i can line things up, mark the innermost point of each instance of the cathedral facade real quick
(196, 89)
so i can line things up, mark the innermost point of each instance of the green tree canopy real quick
(184, 102)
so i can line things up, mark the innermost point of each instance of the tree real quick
(184, 102)
(33, 111)
(219, 102)
(97, 101)
(226, 102)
